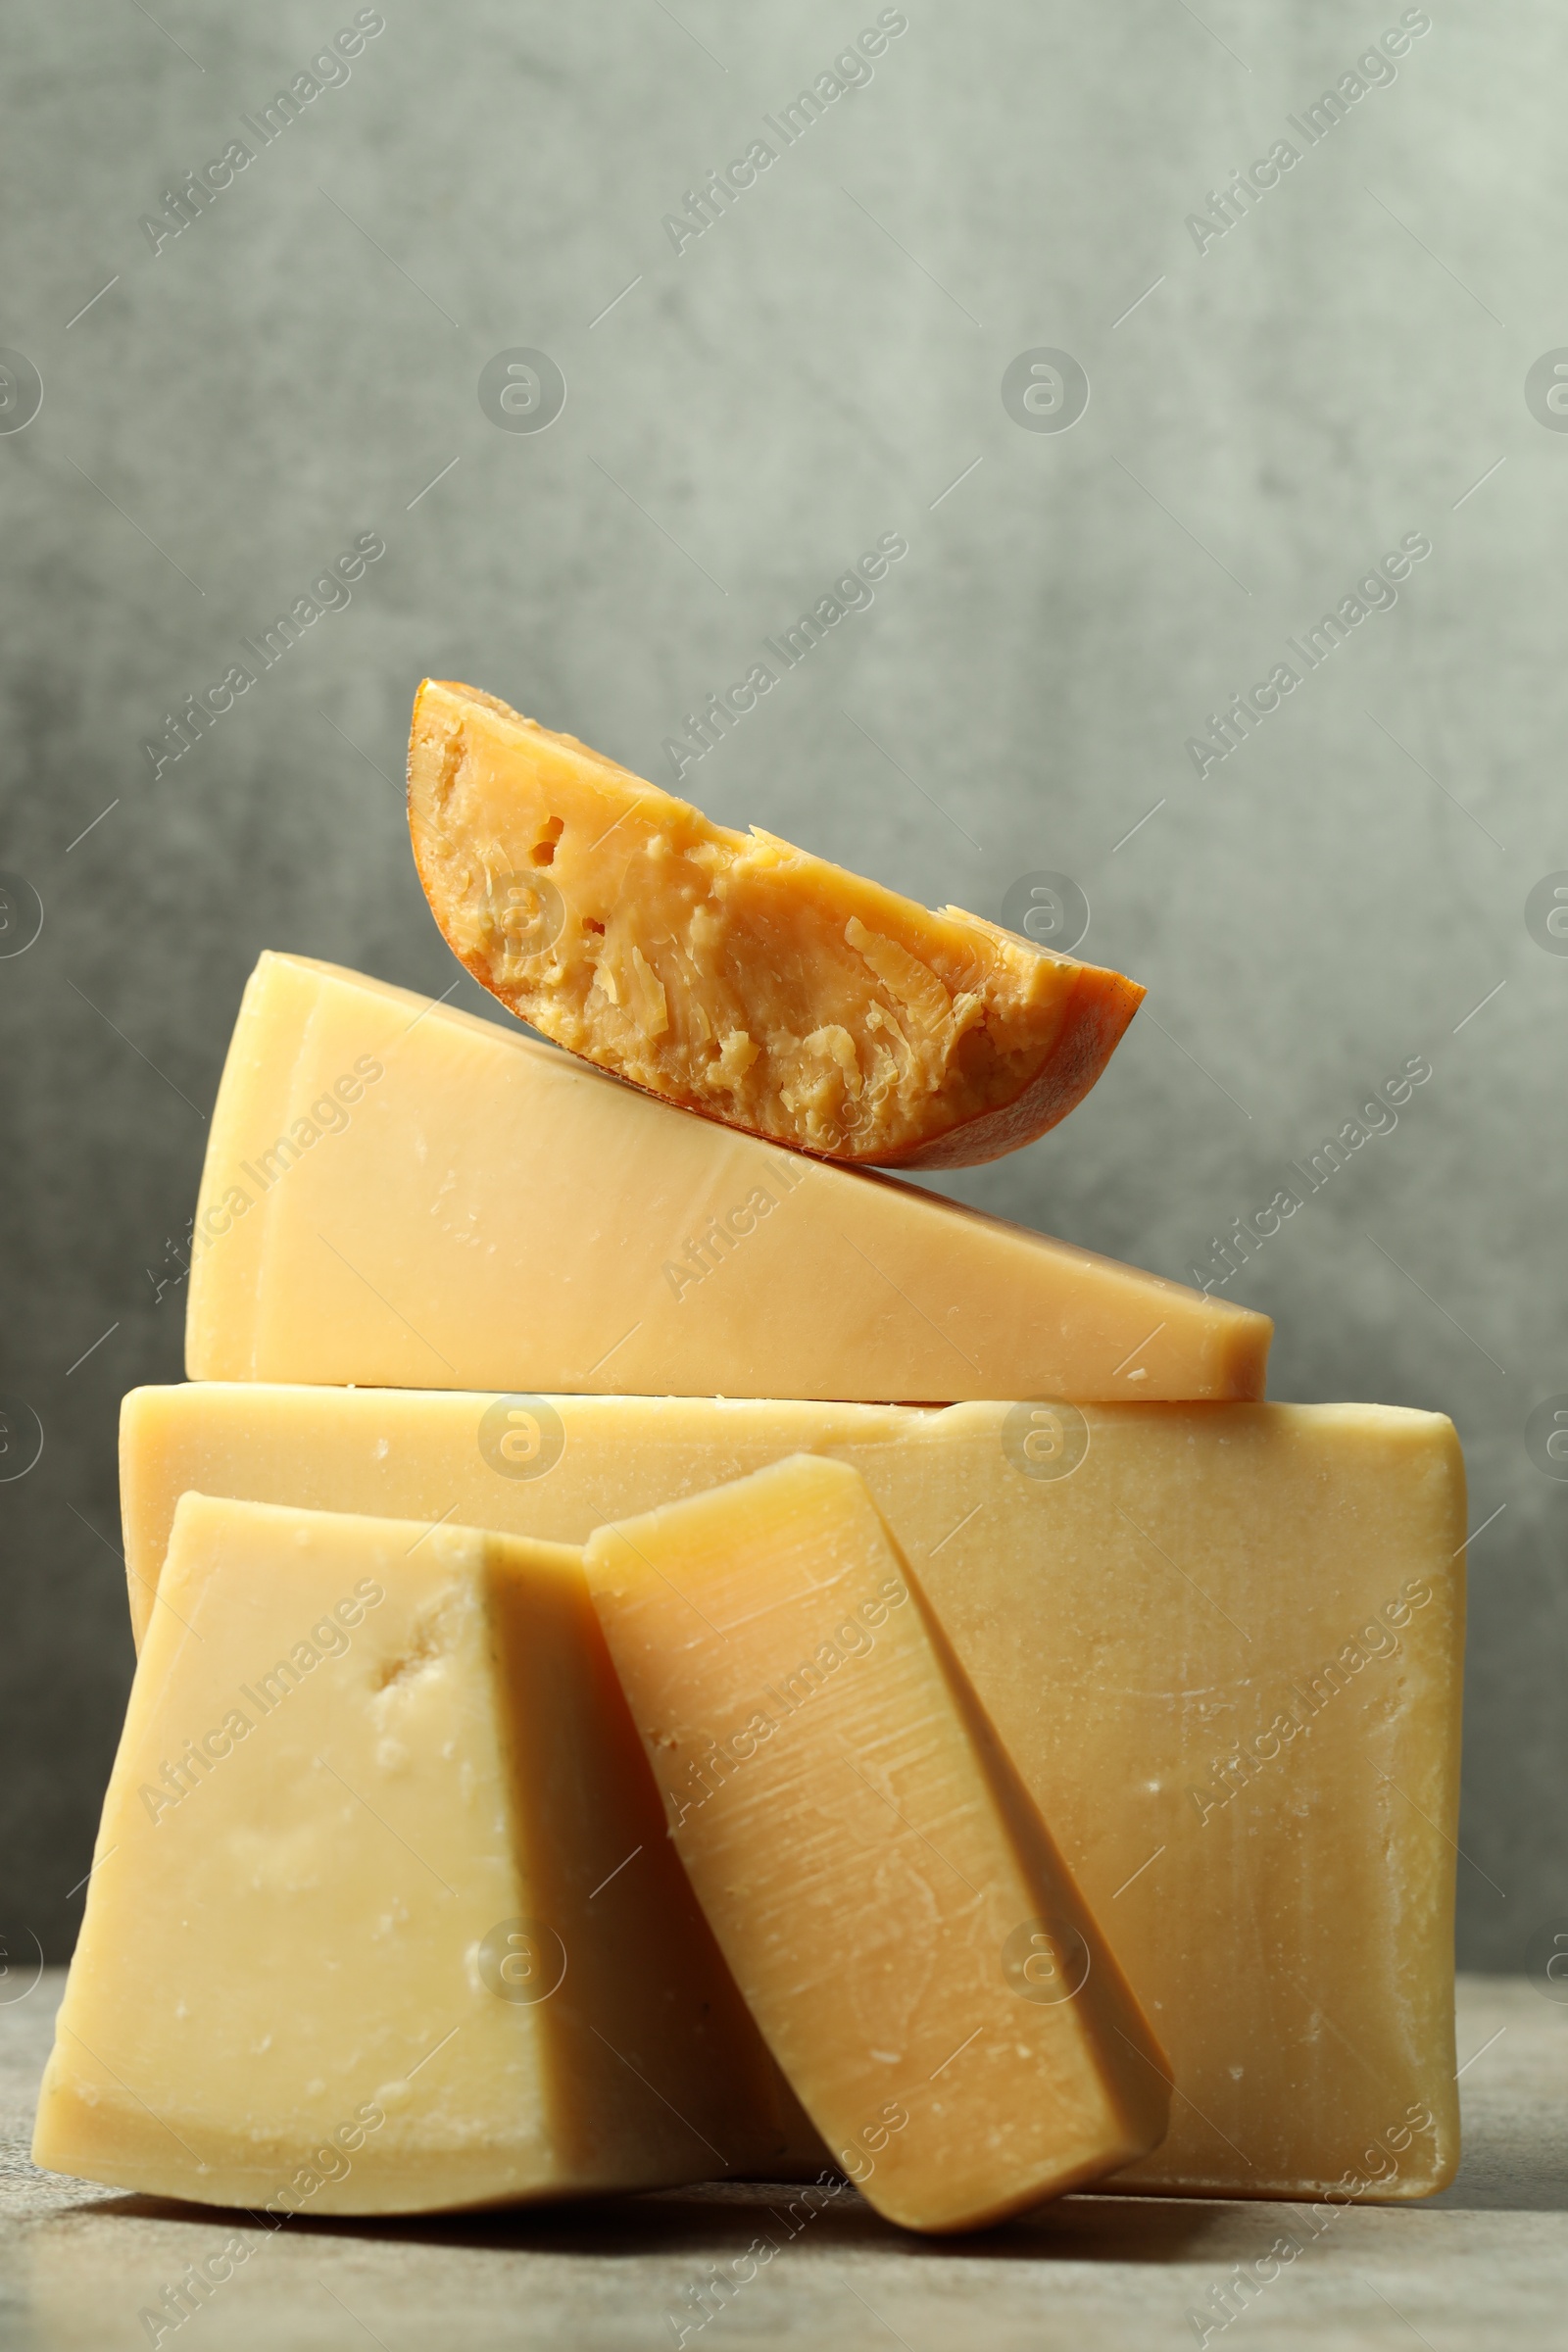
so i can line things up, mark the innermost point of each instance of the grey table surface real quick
(1484, 2263)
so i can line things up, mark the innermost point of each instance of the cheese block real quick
(1222, 1644)
(382, 1917)
(731, 973)
(886, 1895)
(399, 1195)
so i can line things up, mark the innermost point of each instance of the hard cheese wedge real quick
(731, 973)
(398, 1194)
(884, 1891)
(1223, 1644)
(383, 1919)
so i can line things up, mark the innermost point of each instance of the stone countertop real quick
(1484, 2263)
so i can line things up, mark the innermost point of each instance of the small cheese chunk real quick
(1224, 1645)
(397, 1194)
(623, 924)
(884, 1891)
(382, 1918)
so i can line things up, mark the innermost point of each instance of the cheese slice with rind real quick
(735, 974)
(887, 1898)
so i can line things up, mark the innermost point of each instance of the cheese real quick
(887, 1896)
(734, 974)
(382, 1916)
(399, 1195)
(1223, 1646)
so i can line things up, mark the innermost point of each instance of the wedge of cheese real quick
(382, 1917)
(1222, 1644)
(731, 973)
(886, 1895)
(397, 1194)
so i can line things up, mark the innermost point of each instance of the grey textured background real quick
(817, 370)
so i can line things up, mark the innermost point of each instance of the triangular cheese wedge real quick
(382, 1917)
(399, 1195)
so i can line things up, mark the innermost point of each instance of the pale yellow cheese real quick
(398, 1194)
(886, 1895)
(382, 1918)
(1138, 1618)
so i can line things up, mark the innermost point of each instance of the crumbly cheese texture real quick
(1223, 1646)
(396, 1193)
(346, 1946)
(730, 972)
(883, 1888)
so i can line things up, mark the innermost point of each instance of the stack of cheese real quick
(592, 1730)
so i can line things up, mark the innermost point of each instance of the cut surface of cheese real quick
(885, 1892)
(731, 973)
(383, 1918)
(399, 1195)
(1222, 1644)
